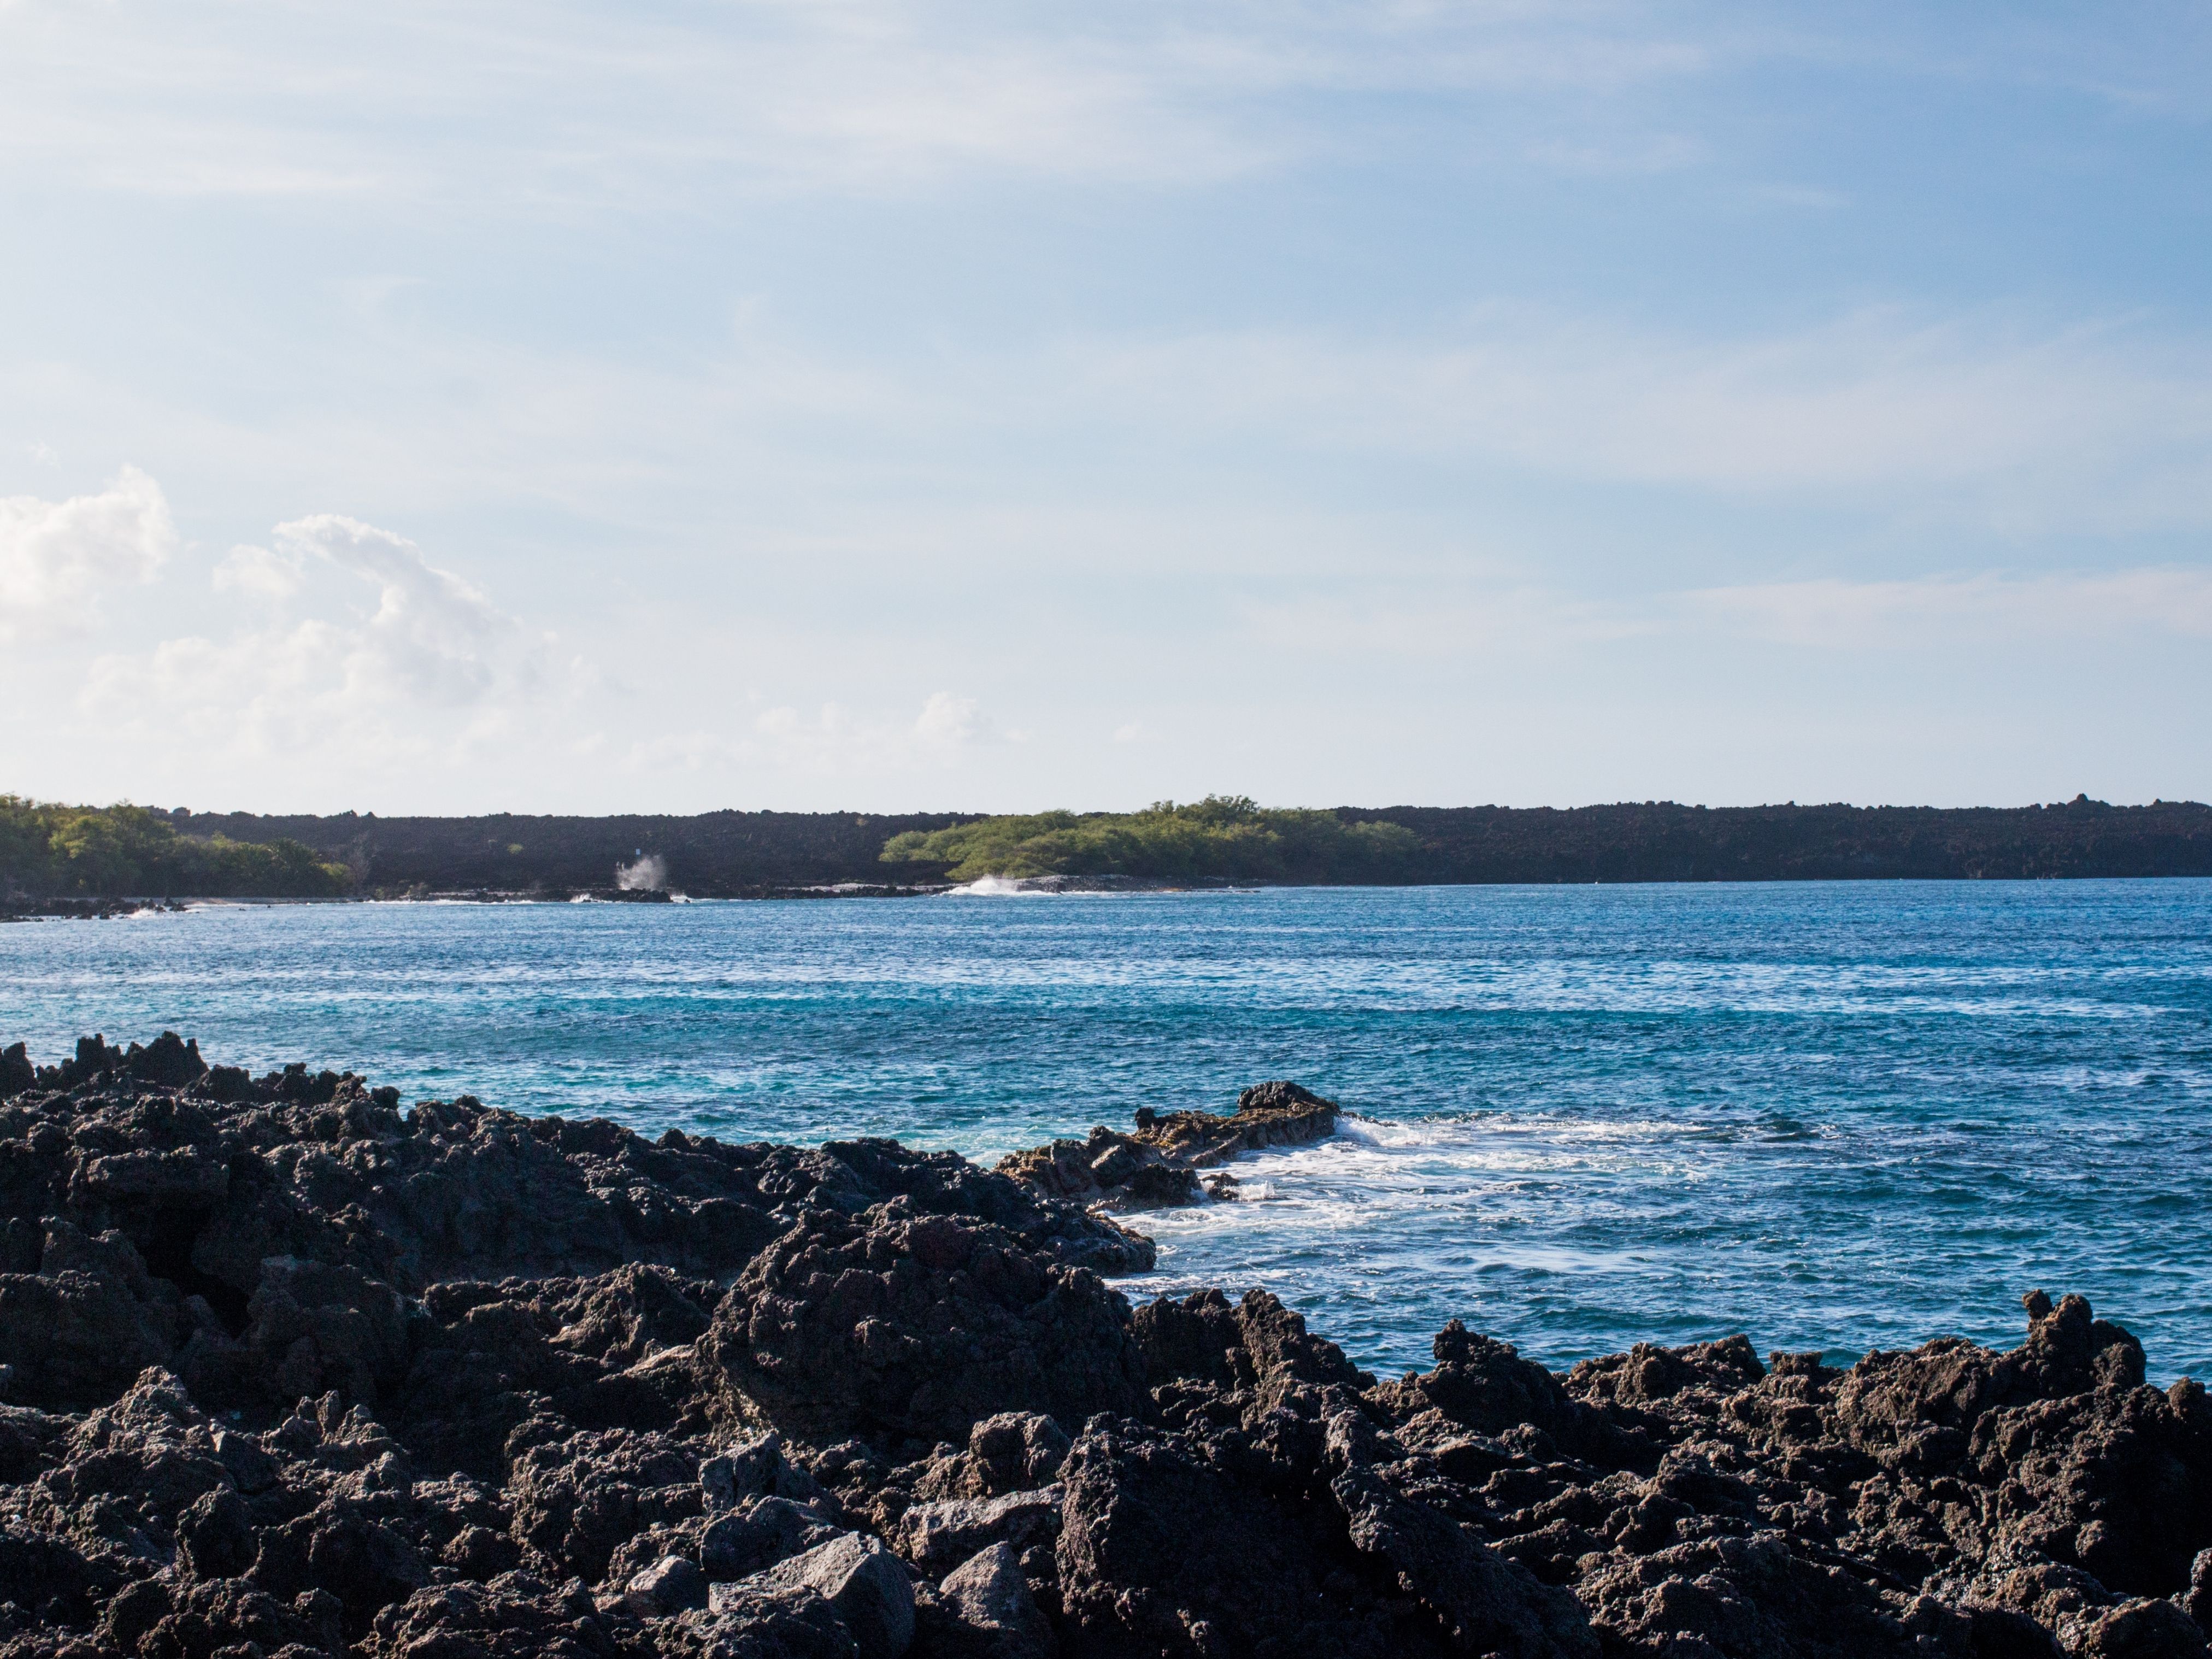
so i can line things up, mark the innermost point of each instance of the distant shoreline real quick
(731, 855)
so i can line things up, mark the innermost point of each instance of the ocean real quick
(1838, 1116)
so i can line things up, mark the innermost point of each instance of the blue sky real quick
(836, 405)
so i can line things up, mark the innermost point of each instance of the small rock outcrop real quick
(1159, 1164)
(294, 1374)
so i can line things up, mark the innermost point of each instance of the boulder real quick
(989, 1598)
(858, 1577)
(894, 1323)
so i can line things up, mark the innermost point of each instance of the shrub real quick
(1220, 838)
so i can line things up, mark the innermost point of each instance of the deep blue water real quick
(1837, 1117)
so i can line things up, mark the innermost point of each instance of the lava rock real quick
(989, 1600)
(894, 1323)
(859, 1579)
(671, 1585)
(291, 1371)
(1157, 1166)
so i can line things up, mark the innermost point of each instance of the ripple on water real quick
(1834, 1116)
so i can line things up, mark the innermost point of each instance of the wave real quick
(1396, 1132)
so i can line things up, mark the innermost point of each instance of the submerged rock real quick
(291, 1372)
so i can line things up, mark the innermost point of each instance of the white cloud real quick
(434, 669)
(434, 638)
(951, 722)
(58, 558)
(258, 572)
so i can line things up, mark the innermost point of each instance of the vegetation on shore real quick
(50, 850)
(1221, 838)
(762, 854)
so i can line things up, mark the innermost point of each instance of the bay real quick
(1833, 1116)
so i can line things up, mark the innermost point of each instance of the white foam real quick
(1000, 887)
(1392, 1132)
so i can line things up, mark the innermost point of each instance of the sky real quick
(831, 404)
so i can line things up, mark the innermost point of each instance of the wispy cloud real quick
(1988, 606)
(1472, 620)
(575, 102)
(2049, 427)
(571, 102)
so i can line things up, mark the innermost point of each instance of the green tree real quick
(125, 851)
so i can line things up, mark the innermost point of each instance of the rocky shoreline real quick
(292, 1371)
(1159, 1164)
(82, 909)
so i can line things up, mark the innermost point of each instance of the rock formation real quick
(1158, 1165)
(292, 1373)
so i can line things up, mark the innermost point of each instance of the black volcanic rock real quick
(1158, 1165)
(294, 1373)
(894, 1323)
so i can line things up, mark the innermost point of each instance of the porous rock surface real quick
(1160, 1163)
(292, 1373)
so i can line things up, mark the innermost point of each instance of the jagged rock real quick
(215, 1534)
(893, 1323)
(671, 1585)
(515, 1616)
(1162, 1549)
(938, 1535)
(754, 1468)
(231, 1189)
(2196, 1600)
(292, 1371)
(2140, 1629)
(861, 1580)
(576, 1498)
(989, 1600)
(1157, 1165)
(757, 1621)
(759, 1533)
(1012, 1451)
(1257, 1344)
(1486, 1603)
(73, 1337)
(1486, 1386)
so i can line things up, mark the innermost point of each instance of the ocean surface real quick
(1836, 1117)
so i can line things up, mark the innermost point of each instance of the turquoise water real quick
(1838, 1116)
